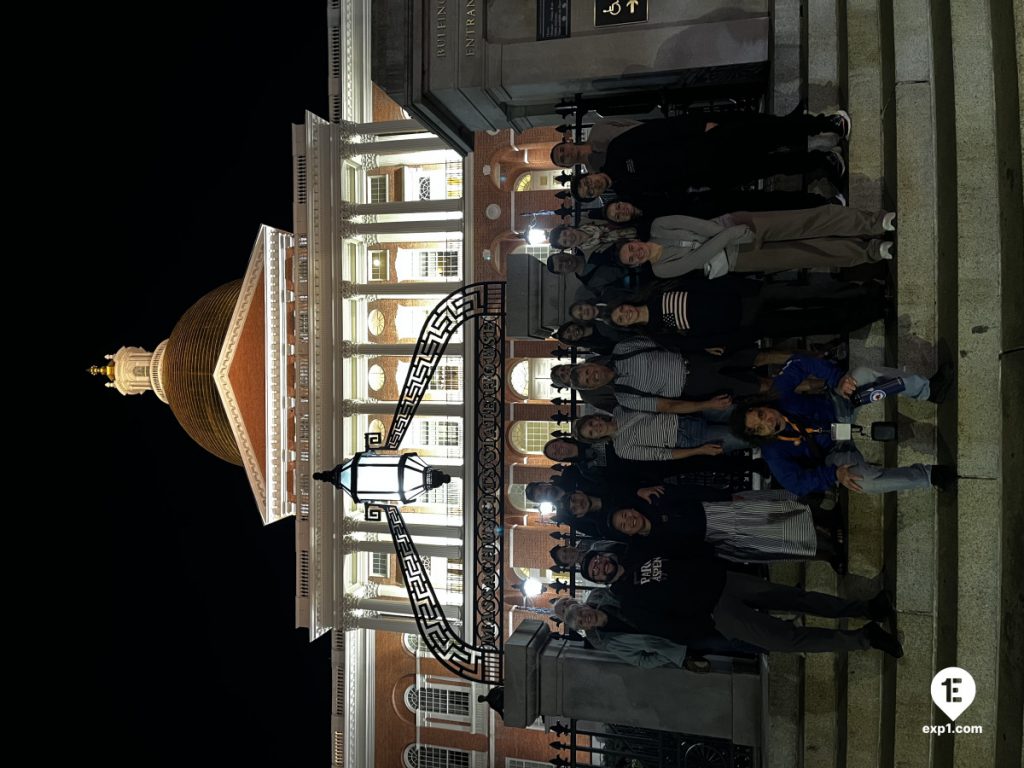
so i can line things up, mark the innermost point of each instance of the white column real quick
(400, 607)
(396, 147)
(446, 597)
(348, 349)
(416, 290)
(386, 127)
(445, 205)
(404, 227)
(416, 530)
(385, 623)
(387, 407)
(447, 551)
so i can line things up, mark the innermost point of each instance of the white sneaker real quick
(840, 123)
(889, 222)
(885, 251)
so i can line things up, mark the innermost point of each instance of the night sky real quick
(176, 603)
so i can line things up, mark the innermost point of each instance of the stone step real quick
(865, 76)
(864, 90)
(821, 736)
(787, 30)
(988, 410)
(785, 689)
(823, 54)
(921, 214)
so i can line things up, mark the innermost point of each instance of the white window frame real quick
(443, 758)
(538, 378)
(440, 699)
(439, 432)
(473, 718)
(376, 558)
(385, 273)
(428, 263)
(535, 433)
(370, 179)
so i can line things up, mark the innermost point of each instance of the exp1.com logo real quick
(953, 690)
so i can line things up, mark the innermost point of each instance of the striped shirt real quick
(761, 526)
(640, 379)
(645, 436)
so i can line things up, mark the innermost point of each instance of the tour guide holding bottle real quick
(794, 430)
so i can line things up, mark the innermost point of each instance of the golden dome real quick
(188, 366)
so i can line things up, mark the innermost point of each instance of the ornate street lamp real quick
(381, 478)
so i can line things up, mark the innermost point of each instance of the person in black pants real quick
(722, 151)
(686, 600)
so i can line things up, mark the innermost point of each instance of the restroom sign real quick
(608, 13)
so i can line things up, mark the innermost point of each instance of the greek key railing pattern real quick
(467, 661)
(468, 301)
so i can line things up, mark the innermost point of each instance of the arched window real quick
(538, 252)
(414, 645)
(375, 322)
(517, 497)
(429, 756)
(438, 699)
(375, 377)
(531, 181)
(531, 378)
(530, 436)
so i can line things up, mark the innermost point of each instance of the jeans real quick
(875, 479)
(708, 427)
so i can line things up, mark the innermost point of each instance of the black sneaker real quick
(943, 477)
(880, 607)
(834, 163)
(882, 640)
(941, 383)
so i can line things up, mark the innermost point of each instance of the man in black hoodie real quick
(684, 600)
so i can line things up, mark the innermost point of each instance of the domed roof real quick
(187, 371)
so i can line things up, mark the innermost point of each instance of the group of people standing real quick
(677, 294)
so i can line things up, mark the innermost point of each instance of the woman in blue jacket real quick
(794, 430)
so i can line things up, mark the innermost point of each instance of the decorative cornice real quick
(346, 229)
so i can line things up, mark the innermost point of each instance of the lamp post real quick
(383, 478)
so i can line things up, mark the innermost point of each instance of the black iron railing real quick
(617, 745)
